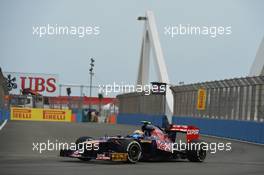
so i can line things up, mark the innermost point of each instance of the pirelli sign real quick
(39, 114)
(201, 99)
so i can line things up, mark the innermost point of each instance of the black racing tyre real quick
(81, 140)
(134, 151)
(196, 152)
(131, 147)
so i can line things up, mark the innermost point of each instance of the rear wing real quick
(192, 132)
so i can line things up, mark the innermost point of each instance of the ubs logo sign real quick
(45, 84)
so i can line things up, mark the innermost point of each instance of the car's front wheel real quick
(79, 142)
(134, 151)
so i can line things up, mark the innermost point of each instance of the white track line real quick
(3, 125)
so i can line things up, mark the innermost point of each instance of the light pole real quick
(91, 80)
(68, 89)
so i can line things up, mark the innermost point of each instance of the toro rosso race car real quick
(149, 143)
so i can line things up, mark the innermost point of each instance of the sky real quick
(116, 50)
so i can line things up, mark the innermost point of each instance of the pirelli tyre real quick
(134, 151)
(129, 146)
(196, 152)
(78, 144)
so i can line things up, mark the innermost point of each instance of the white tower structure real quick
(150, 41)
(257, 68)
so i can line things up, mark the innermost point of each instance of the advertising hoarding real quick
(44, 84)
(39, 114)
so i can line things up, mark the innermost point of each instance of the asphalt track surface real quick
(17, 155)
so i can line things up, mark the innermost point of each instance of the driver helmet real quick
(139, 132)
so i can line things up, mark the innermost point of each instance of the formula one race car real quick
(149, 143)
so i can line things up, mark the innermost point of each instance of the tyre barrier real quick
(241, 130)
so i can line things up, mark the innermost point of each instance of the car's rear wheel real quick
(196, 152)
(78, 144)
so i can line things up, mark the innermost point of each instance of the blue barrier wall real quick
(241, 130)
(4, 114)
(134, 119)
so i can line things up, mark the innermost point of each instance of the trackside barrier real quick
(4, 114)
(111, 119)
(39, 114)
(78, 115)
(230, 99)
(134, 119)
(242, 130)
(73, 117)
